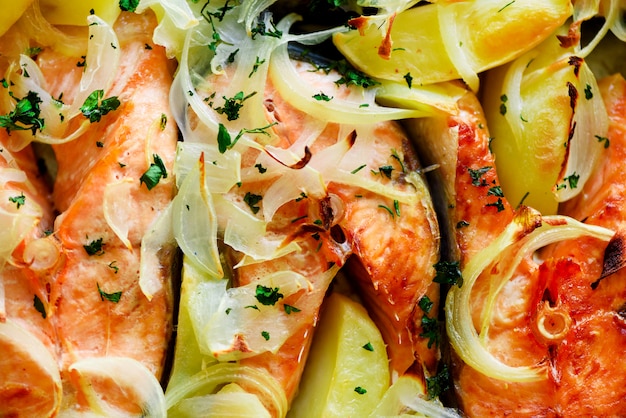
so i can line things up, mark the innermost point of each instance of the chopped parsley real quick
(430, 330)
(251, 200)
(25, 115)
(111, 297)
(588, 92)
(360, 390)
(386, 170)
(265, 335)
(495, 191)
(18, 200)
(350, 76)
(267, 296)
(232, 105)
(260, 167)
(257, 63)
(603, 139)
(425, 304)
(155, 172)
(438, 384)
(225, 141)
(263, 30)
(448, 272)
(506, 5)
(129, 5)
(359, 168)
(498, 204)
(94, 247)
(387, 209)
(408, 79)
(462, 224)
(503, 100)
(477, 174)
(39, 306)
(95, 107)
(114, 267)
(322, 97)
(394, 154)
(163, 121)
(571, 180)
(290, 309)
(396, 207)
(368, 346)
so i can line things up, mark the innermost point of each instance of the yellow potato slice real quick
(11, 12)
(347, 372)
(74, 13)
(440, 42)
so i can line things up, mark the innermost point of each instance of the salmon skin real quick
(561, 311)
(106, 201)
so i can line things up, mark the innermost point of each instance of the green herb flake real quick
(430, 330)
(360, 390)
(258, 62)
(394, 155)
(289, 309)
(368, 346)
(260, 167)
(39, 307)
(495, 191)
(438, 384)
(572, 180)
(95, 107)
(498, 204)
(25, 115)
(252, 200)
(154, 173)
(232, 105)
(112, 266)
(322, 97)
(129, 5)
(386, 170)
(163, 123)
(387, 209)
(18, 200)
(503, 100)
(396, 207)
(267, 296)
(111, 297)
(359, 168)
(94, 247)
(448, 272)
(408, 79)
(265, 335)
(603, 139)
(425, 304)
(588, 92)
(506, 5)
(252, 307)
(477, 174)
(462, 224)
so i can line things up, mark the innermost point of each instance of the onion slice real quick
(530, 231)
(195, 221)
(129, 375)
(31, 349)
(209, 380)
